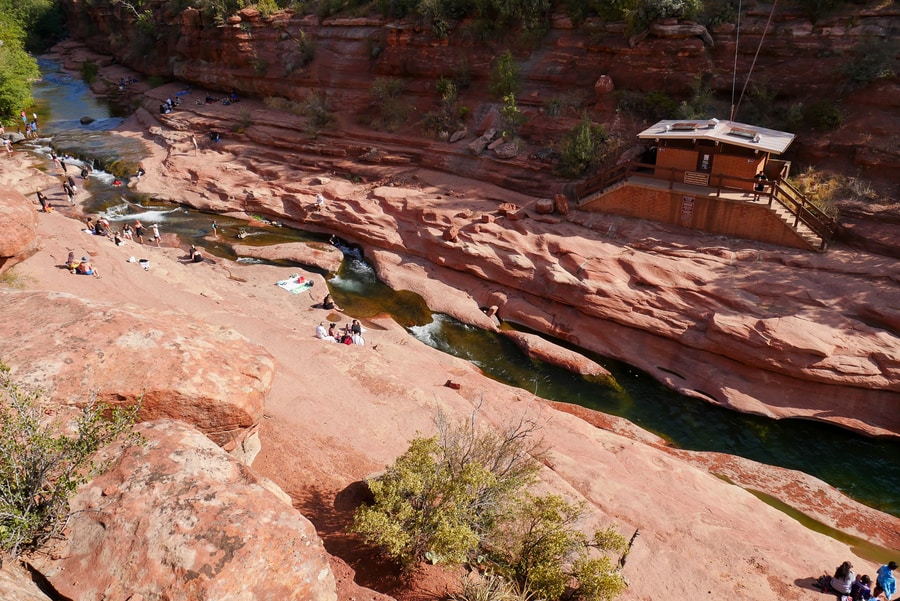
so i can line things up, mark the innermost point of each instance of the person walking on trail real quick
(155, 228)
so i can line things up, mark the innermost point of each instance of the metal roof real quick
(726, 132)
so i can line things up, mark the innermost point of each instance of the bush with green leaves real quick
(871, 60)
(823, 115)
(505, 76)
(391, 109)
(448, 117)
(582, 147)
(460, 498)
(513, 118)
(440, 498)
(541, 549)
(41, 465)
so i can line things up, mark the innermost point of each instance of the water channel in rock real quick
(864, 468)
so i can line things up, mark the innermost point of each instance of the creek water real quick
(864, 468)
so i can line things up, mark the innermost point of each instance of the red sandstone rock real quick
(506, 208)
(544, 350)
(544, 206)
(187, 522)
(603, 86)
(561, 204)
(451, 234)
(317, 254)
(178, 368)
(18, 239)
(17, 585)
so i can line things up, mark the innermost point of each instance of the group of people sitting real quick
(83, 267)
(350, 334)
(849, 586)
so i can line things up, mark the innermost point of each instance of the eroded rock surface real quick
(177, 518)
(18, 239)
(211, 377)
(321, 255)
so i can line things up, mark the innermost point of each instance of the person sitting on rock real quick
(842, 581)
(71, 262)
(196, 256)
(322, 333)
(861, 589)
(328, 303)
(85, 267)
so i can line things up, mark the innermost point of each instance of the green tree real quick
(458, 497)
(41, 21)
(391, 108)
(513, 118)
(441, 498)
(582, 147)
(17, 68)
(504, 76)
(41, 466)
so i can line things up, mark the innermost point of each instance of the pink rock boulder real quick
(177, 518)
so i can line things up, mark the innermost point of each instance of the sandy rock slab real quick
(317, 254)
(177, 518)
(210, 377)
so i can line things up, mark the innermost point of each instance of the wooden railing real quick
(780, 191)
(803, 211)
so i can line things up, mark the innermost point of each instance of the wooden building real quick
(722, 153)
(708, 175)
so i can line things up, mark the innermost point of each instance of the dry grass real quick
(828, 190)
(13, 279)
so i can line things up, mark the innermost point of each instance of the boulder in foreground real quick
(177, 518)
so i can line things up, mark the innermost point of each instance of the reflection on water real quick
(864, 468)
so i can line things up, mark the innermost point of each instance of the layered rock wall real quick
(294, 56)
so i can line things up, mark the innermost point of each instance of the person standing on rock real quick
(70, 193)
(215, 229)
(194, 142)
(139, 230)
(45, 205)
(155, 228)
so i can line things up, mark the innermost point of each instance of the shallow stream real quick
(864, 468)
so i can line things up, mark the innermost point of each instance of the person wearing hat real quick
(85, 267)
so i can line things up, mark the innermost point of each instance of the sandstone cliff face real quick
(294, 56)
(177, 518)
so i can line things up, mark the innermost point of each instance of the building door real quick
(705, 158)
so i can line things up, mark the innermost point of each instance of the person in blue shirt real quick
(885, 582)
